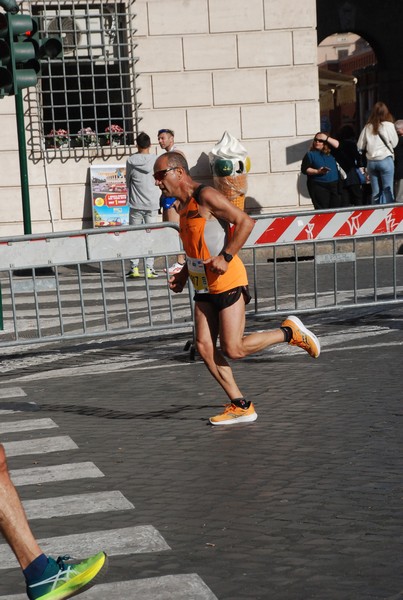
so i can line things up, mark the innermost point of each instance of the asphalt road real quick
(305, 503)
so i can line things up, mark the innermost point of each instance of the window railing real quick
(86, 102)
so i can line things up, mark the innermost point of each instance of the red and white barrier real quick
(327, 225)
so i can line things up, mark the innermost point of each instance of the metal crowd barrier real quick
(69, 285)
(318, 261)
(72, 285)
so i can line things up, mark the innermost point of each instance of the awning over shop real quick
(335, 89)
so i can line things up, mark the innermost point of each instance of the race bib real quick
(197, 274)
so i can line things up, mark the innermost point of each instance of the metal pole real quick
(22, 151)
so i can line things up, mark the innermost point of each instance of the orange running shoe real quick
(302, 337)
(234, 414)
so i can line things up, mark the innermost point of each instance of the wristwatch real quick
(227, 257)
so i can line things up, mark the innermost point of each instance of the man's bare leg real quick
(237, 345)
(232, 339)
(13, 521)
(239, 410)
(207, 326)
(229, 324)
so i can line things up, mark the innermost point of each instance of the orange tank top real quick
(203, 238)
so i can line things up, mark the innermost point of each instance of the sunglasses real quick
(320, 141)
(160, 175)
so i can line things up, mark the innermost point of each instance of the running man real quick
(46, 578)
(220, 281)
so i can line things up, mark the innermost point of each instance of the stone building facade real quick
(205, 66)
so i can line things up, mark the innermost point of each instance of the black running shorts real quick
(225, 299)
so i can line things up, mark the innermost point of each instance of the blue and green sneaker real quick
(64, 577)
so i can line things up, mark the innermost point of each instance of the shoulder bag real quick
(387, 145)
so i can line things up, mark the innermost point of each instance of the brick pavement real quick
(303, 504)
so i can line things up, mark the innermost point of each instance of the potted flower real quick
(58, 138)
(114, 135)
(86, 137)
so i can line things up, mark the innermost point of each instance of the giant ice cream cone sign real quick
(230, 165)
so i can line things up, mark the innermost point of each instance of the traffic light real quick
(44, 47)
(21, 52)
(10, 6)
(24, 62)
(6, 77)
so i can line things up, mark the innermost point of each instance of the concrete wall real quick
(205, 66)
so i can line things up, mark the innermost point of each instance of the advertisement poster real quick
(110, 200)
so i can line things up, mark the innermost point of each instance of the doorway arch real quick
(348, 81)
(364, 17)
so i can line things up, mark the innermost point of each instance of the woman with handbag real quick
(377, 139)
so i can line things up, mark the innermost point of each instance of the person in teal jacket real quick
(322, 172)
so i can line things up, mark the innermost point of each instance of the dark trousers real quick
(352, 195)
(324, 195)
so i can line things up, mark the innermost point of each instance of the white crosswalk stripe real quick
(15, 392)
(67, 472)
(19, 426)
(123, 541)
(40, 446)
(93, 502)
(128, 540)
(168, 587)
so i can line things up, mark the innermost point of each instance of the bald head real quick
(171, 174)
(171, 160)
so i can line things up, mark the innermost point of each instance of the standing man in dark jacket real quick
(344, 149)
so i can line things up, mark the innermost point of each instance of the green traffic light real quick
(21, 24)
(24, 64)
(50, 47)
(5, 75)
(6, 78)
(3, 25)
(21, 52)
(10, 6)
